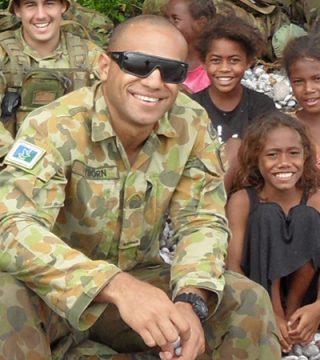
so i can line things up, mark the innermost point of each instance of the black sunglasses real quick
(142, 65)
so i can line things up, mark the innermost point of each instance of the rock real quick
(297, 350)
(310, 350)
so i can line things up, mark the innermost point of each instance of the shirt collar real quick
(57, 53)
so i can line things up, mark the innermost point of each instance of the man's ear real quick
(104, 64)
(65, 6)
(16, 9)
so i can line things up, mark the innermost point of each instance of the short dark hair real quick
(301, 47)
(140, 19)
(234, 28)
(200, 8)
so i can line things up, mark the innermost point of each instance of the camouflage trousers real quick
(243, 326)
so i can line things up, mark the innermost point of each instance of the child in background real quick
(301, 59)
(275, 222)
(190, 17)
(228, 47)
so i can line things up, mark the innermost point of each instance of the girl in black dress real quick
(275, 222)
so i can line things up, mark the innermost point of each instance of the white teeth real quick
(311, 101)
(224, 78)
(41, 25)
(146, 98)
(284, 175)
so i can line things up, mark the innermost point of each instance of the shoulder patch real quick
(25, 154)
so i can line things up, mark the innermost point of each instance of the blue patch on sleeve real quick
(25, 154)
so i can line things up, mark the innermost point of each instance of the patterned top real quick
(74, 213)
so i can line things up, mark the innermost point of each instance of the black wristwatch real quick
(198, 304)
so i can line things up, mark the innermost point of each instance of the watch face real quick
(201, 309)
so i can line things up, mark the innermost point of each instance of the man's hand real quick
(147, 310)
(193, 344)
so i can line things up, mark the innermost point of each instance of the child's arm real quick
(237, 211)
(304, 322)
(284, 337)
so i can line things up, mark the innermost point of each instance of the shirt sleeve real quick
(199, 220)
(30, 200)
(261, 103)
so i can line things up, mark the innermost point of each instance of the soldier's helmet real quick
(11, 2)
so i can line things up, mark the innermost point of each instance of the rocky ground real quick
(273, 82)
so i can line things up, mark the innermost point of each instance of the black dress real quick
(276, 244)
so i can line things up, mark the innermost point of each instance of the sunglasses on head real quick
(142, 65)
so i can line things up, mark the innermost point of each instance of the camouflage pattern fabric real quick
(302, 12)
(154, 7)
(74, 212)
(85, 21)
(266, 23)
(311, 9)
(80, 20)
(60, 61)
(241, 328)
(112, 213)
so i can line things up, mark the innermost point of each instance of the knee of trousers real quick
(246, 296)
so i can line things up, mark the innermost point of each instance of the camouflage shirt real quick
(59, 59)
(74, 213)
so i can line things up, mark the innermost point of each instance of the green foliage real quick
(4, 4)
(116, 10)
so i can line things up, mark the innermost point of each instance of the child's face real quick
(226, 62)
(179, 15)
(281, 159)
(305, 80)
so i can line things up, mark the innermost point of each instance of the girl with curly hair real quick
(275, 222)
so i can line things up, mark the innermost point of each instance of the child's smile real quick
(281, 160)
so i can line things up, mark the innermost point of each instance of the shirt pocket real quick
(89, 218)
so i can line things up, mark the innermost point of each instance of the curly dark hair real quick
(232, 27)
(252, 144)
(200, 8)
(301, 47)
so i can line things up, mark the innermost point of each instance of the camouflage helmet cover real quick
(11, 2)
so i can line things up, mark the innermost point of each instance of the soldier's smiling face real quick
(134, 101)
(41, 20)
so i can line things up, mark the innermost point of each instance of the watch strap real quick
(198, 304)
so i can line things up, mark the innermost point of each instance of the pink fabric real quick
(197, 79)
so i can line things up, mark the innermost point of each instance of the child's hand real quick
(304, 322)
(285, 341)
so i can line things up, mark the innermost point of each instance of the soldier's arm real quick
(199, 219)
(30, 200)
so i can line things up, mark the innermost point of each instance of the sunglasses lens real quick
(137, 65)
(142, 65)
(173, 73)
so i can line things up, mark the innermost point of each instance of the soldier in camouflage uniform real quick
(40, 62)
(83, 198)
